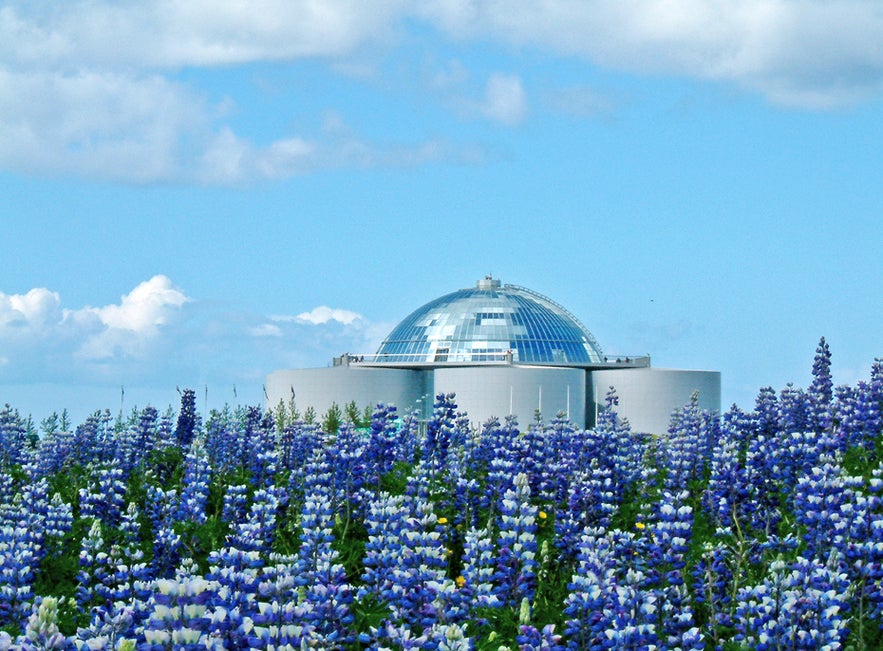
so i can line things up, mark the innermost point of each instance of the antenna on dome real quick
(488, 282)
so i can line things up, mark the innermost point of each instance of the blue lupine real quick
(531, 639)
(803, 605)
(41, 632)
(108, 629)
(383, 442)
(13, 441)
(105, 499)
(326, 587)
(235, 504)
(515, 576)
(194, 493)
(90, 547)
(820, 392)
(670, 534)
(712, 577)
(590, 503)
(181, 616)
(18, 562)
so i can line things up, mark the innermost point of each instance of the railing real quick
(466, 357)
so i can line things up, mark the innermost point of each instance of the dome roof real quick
(491, 323)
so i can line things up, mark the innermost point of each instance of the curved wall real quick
(485, 391)
(648, 396)
(319, 387)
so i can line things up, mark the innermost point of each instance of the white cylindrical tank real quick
(319, 387)
(648, 396)
(486, 391)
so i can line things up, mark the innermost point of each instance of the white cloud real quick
(808, 53)
(43, 341)
(34, 311)
(171, 34)
(323, 314)
(86, 86)
(266, 330)
(96, 124)
(129, 325)
(504, 100)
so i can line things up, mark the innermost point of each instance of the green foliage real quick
(349, 541)
(166, 465)
(198, 540)
(333, 419)
(395, 482)
(310, 415)
(352, 414)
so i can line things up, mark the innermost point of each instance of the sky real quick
(196, 194)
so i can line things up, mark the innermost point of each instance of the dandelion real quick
(640, 526)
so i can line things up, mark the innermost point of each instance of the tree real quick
(352, 414)
(333, 419)
(310, 416)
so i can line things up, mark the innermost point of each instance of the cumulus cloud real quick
(806, 53)
(35, 311)
(323, 314)
(135, 320)
(170, 34)
(91, 87)
(42, 340)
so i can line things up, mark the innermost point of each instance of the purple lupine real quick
(90, 547)
(18, 561)
(195, 488)
(726, 499)
(280, 617)
(515, 576)
(439, 430)
(589, 504)
(803, 605)
(820, 392)
(670, 532)
(235, 504)
(711, 589)
(383, 442)
(13, 437)
(181, 616)
(326, 588)
(105, 498)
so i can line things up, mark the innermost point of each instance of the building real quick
(504, 350)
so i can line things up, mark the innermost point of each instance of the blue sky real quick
(197, 194)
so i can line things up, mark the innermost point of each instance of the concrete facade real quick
(319, 387)
(483, 392)
(648, 396)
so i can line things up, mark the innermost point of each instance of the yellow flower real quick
(639, 525)
(543, 515)
(460, 581)
(442, 520)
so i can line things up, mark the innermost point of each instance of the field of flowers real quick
(252, 529)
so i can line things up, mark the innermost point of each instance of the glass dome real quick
(491, 323)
